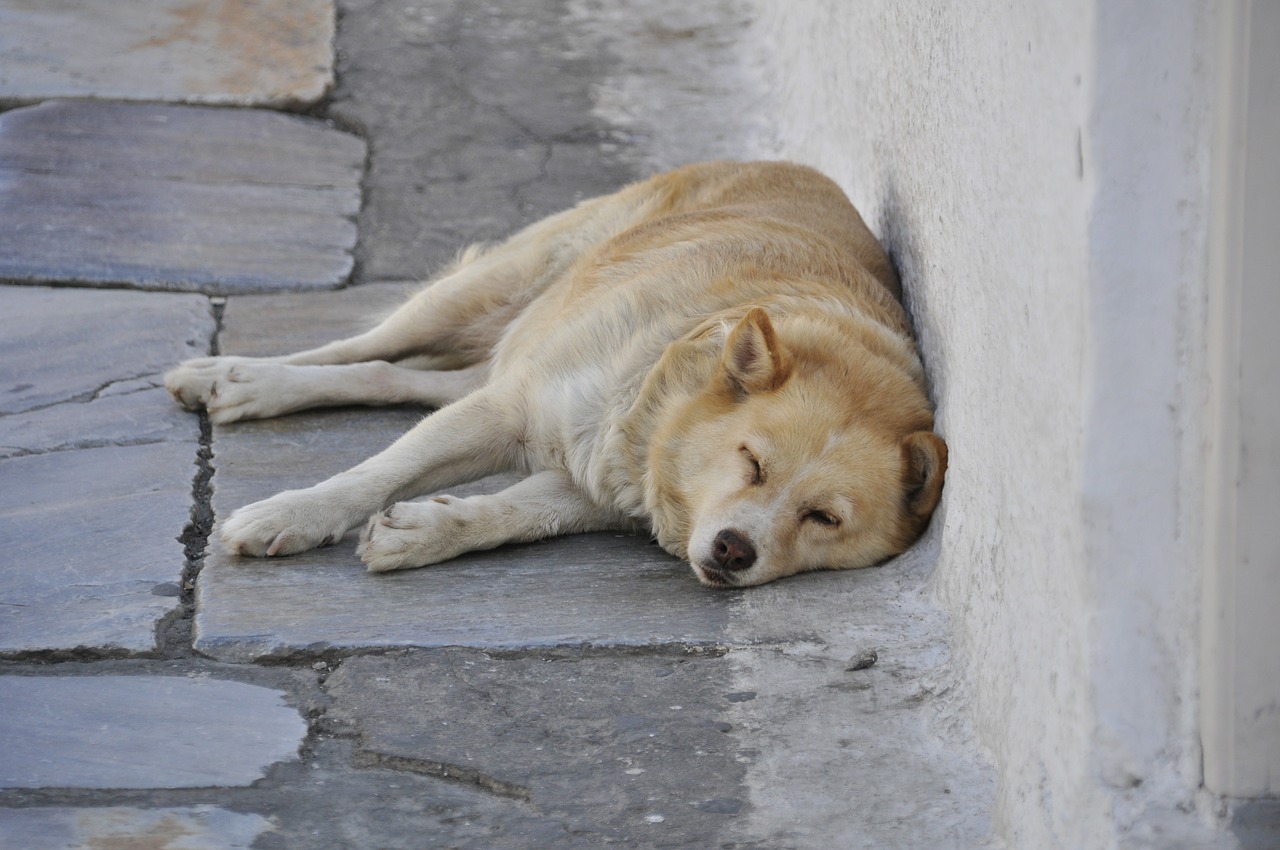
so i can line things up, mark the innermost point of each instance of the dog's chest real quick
(564, 413)
(571, 418)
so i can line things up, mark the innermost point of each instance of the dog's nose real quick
(732, 551)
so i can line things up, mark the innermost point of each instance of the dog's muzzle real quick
(731, 553)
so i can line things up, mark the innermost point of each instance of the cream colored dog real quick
(716, 355)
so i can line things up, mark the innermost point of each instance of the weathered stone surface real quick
(759, 748)
(265, 325)
(333, 802)
(587, 589)
(56, 828)
(174, 197)
(243, 52)
(129, 413)
(617, 749)
(141, 732)
(91, 533)
(90, 539)
(467, 115)
(59, 345)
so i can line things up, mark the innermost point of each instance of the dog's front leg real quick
(464, 441)
(546, 504)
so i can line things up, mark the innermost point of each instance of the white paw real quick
(231, 388)
(287, 523)
(413, 534)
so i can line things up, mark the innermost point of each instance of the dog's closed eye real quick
(757, 471)
(820, 517)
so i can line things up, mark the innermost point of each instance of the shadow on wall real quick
(897, 237)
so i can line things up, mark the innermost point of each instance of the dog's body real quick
(716, 354)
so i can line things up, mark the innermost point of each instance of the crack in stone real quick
(10, 452)
(174, 633)
(150, 385)
(442, 770)
(88, 396)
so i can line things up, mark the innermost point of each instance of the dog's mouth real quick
(713, 576)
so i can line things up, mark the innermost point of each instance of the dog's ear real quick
(924, 463)
(754, 360)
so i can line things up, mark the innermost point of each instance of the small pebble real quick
(863, 660)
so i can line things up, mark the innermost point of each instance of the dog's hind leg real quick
(415, 534)
(454, 322)
(478, 435)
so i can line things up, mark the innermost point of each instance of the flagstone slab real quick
(65, 828)
(477, 134)
(95, 487)
(176, 197)
(597, 590)
(138, 413)
(633, 751)
(60, 345)
(91, 551)
(141, 732)
(240, 52)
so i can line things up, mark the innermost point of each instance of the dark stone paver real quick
(469, 108)
(566, 591)
(96, 485)
(176, 197)
(133, 412)
(260, 52)
(141, 732)
(618, 749)
(92, 558)
(59, 345)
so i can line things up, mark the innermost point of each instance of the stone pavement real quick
(583, 692)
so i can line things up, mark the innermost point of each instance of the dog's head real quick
(803, 452)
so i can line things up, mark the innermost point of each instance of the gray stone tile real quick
(178, 198)
(141, 732)
(92, 557)
(141, 412)
(96, 486)
(61, 828)
(586, 589)
(332, 802)
(58, 345)
(267, 52)
(469, 106)
(634, 750)
(265, 325)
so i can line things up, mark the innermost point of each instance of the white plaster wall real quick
(1038, 173)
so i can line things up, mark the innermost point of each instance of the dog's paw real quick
(290, 522)
(412, 534)
(191, 382)
(231, 389)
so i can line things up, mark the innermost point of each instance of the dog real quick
(717, 355)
